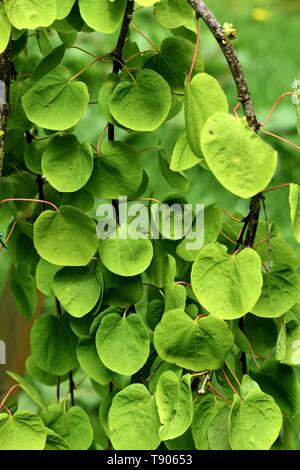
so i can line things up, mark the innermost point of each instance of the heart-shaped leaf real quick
(55, 101)
(125, 254)
(242, 162)
(255, 419)
(78, 289)
(133, 420)
(175, 404)
(142, 104)
(203, 97)
(22, 431)
(125, 337)
(66, 164)
(236, 278)
(193, 344)
(65, 238)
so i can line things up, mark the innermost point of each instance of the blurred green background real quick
(268, 46)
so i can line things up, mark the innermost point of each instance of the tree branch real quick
(244, 97)
(228, 50)
(118, 52)
(5, 73)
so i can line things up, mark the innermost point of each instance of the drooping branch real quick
(5, 73)
(118, 52)
(244, 97)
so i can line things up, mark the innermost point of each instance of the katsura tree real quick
(185, 348)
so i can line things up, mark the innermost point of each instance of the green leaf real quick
(218, 431)
(104, 16)
(56, 102)
(17, 117)
(184, 442)
(280, 253)
(53, 344)
(183, 156)
(175, 179)
(49, 62)
(90, 362)
(294, 200)
(30, 14)
(124, 254)
(121, 291)
(39, 375)
(28, 389)
(203, 97)
(261, 333)
(242, 162)
(63, 8)
(204, 413)
(74, 427)
(118, 171)
(280, 292)
(23, 287)
(55, 441)
(133, 420)
(44, 275)
(255, 419)
(66, 164)
(5, 27)
(173, 13)
(105, 93)
(236, 278)
(288, 342)
(142, 104)
(193, 344)
(123, 343)
(33, 157)
(158, 368)
(22, 431)
(212, 228)
(65, 238)
(78, 289)
(281, 382)
(175, 294)
(174, 60)
(175, 404)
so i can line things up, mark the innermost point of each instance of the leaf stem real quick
(10, 234)
(210, 385)
(12, 199)
(196, 50)
(145, 37)
(273, 188)
(14, 387)
(281, 138)
(101, 138)
(288, 93)
(229, 383)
